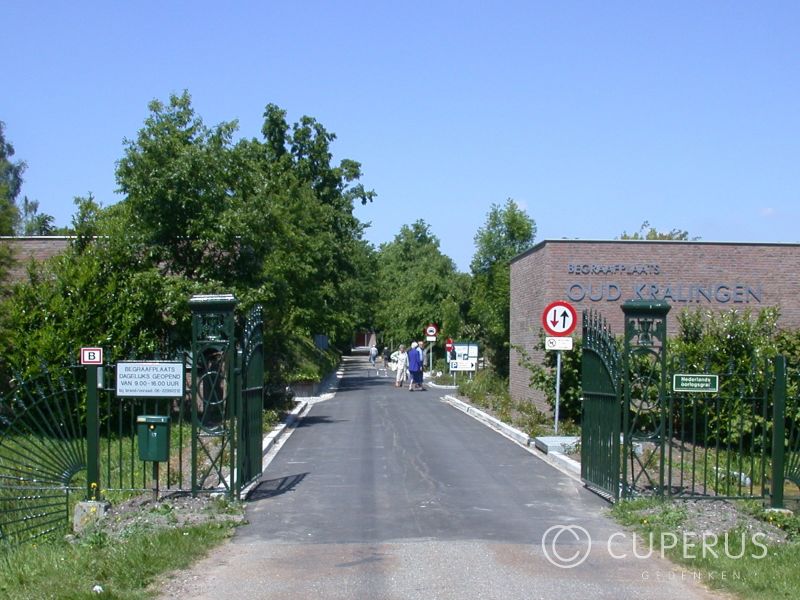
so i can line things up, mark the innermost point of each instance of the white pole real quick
(558, 385)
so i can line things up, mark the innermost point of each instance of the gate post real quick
(778, 432)
(643, 412)
(213, 347)
(92, 434)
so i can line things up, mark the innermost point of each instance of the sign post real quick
(448, 348)
(430, 336)
(92, 359)
(559, 320)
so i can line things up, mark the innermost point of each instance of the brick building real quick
(38, 248)
(601, 275)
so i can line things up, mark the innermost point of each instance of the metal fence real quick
(69, 436)
(641, 434)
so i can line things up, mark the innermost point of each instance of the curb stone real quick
(270, 441)
(558, 460)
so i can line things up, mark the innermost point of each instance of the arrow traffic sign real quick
(559, 318)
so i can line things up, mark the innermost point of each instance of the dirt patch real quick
(170, 512)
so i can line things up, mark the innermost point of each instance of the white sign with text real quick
(150, 379)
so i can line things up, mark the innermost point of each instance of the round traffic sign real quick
(559, 318)
(448, 345)
(431, 329)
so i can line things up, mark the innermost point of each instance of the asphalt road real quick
(381, 493)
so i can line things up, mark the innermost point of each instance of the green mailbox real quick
(153, 435)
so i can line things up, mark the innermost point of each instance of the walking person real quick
(414, 368)
(387, 356)
(373, 354)
(402, 366)
(421, 350)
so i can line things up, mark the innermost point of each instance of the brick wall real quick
(603, 274)
(38, 248)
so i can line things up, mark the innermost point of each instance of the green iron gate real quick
(251, 401)
(642, 433)
(49, 458)
(600, 433)
(227, 395)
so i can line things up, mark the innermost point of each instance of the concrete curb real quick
(439, 386)
(290, 421)
(330, 384)
(270, 442)
(488, 420)
(558, 460)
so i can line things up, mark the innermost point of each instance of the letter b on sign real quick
(91, 356)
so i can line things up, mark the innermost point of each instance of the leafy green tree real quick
(84, 297)
(508, 231)
(176, 179)
(646, 232)
(331, 235)
(417, 285)
(10, 184)
(32, 222)
(270, 220)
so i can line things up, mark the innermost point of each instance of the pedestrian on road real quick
(386, 357)
(421, 350)
(402, 366)
(373, 354)
(414, 368)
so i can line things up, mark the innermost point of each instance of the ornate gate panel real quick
(645, 411)
(600, 431)
(42, 456)
(213, 391)
(251, 394)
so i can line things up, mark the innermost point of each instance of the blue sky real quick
(593, 116)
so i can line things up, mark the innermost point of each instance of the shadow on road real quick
(275, 487)
(318, 420)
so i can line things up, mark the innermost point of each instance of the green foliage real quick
(646, 232)
(417, 285)
(487, 390)
(735, 345)
(270, 221)
(10, 184)
(543, 378)
(508, 231)
(32, 222)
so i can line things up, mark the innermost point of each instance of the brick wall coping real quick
(541, 244)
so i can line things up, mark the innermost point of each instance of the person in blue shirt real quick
(414, 368)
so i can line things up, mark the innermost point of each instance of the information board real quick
(463, 356)
(150, 379)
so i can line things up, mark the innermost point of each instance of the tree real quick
(10, 184)
(646, 232)
(508, 231)
(417, 285)
(269, 220)
(32, 222)
(176, 179)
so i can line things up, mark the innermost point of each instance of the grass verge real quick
(100, 565)
(754, 558)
